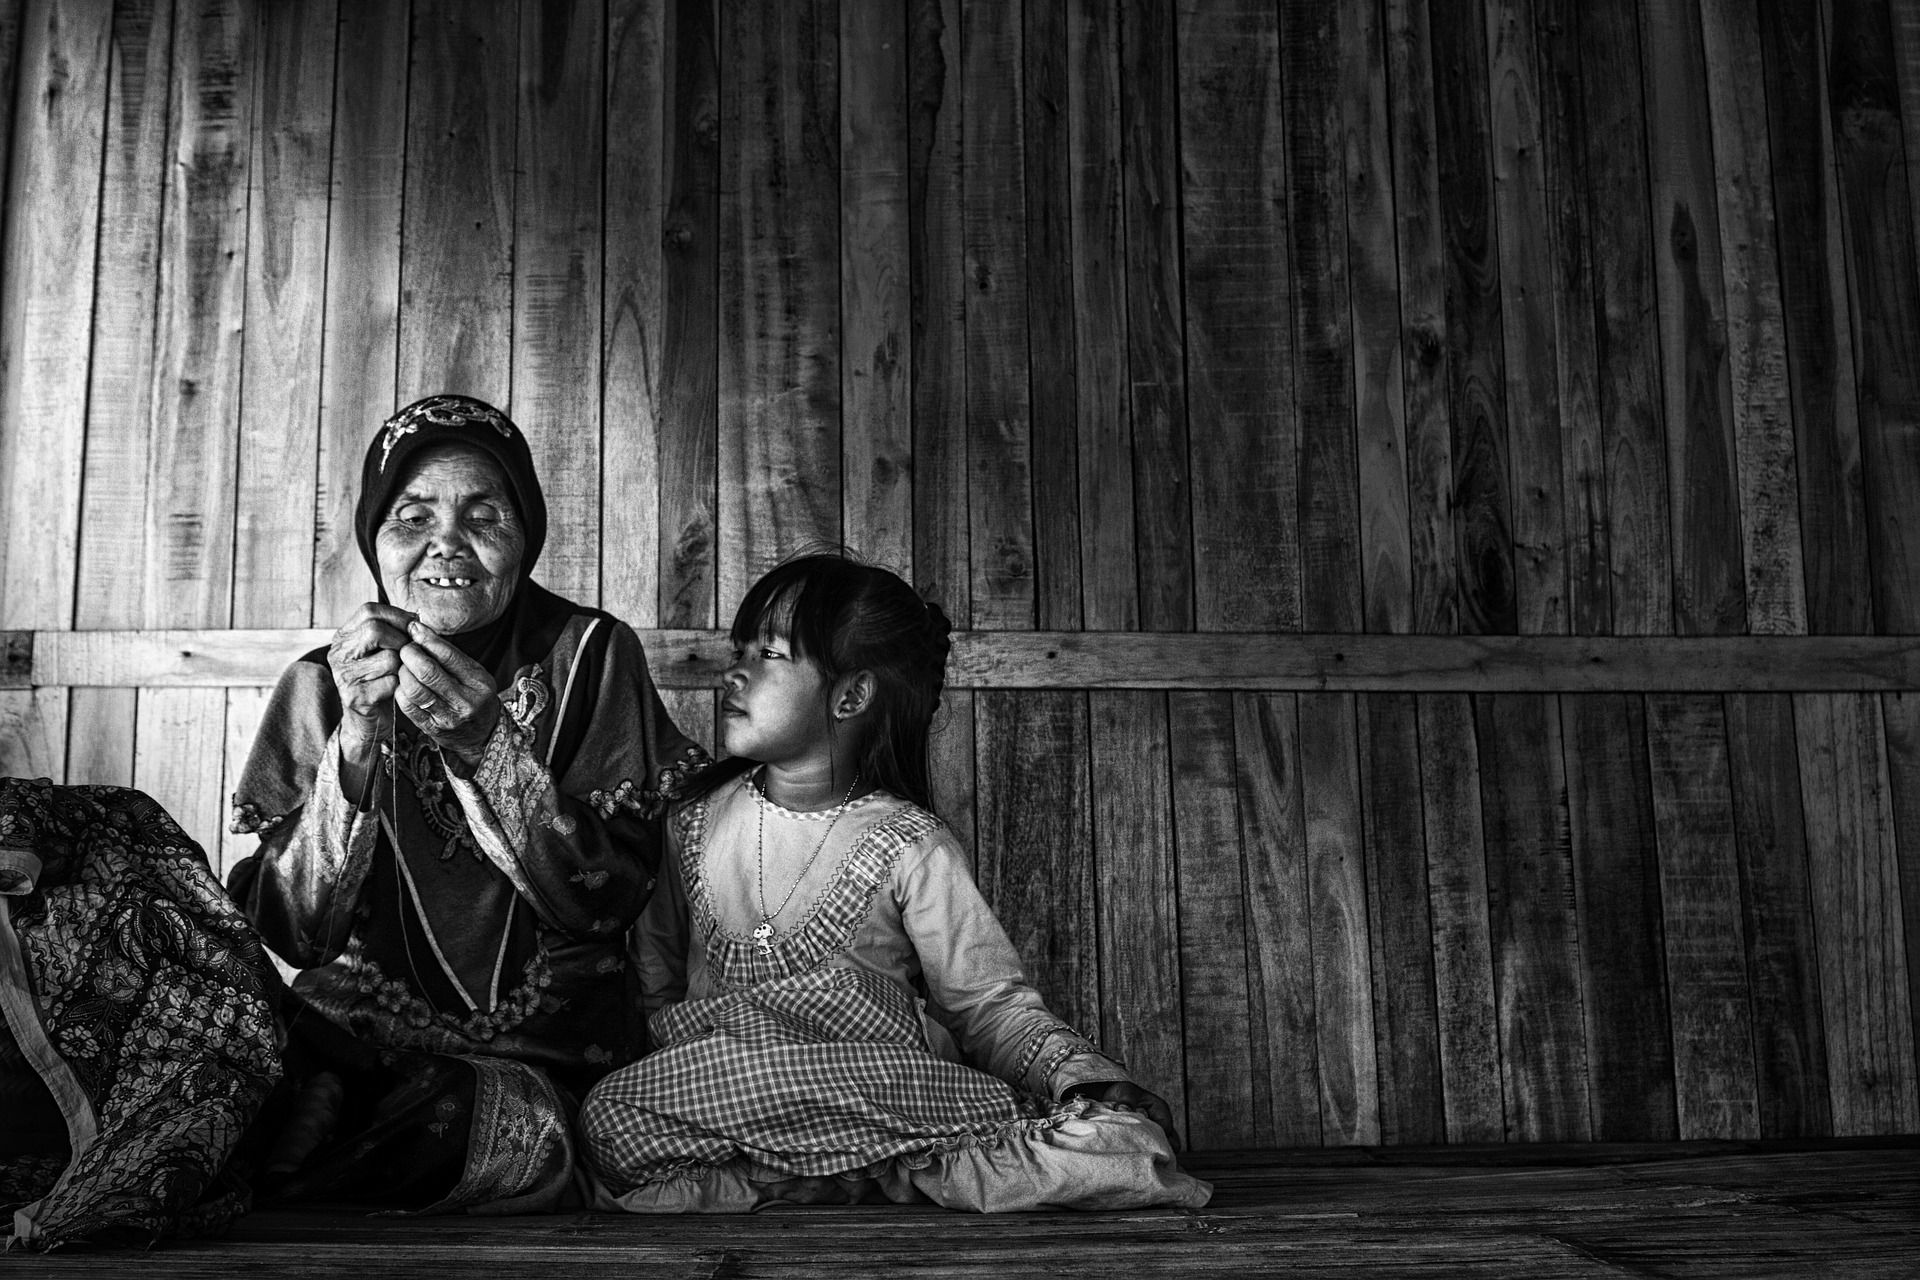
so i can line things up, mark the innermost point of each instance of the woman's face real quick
(450, 544)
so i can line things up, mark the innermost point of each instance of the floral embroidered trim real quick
(441, 411)
(652, 802)
(248, 820)
(364, 975)
(530, 697)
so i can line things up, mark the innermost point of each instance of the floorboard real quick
(1604, 1209)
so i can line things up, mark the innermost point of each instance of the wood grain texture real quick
(1412, 1100)
(1815, 317)
(1616, 882)
(33, 733)
(558, 230)
(119, 426)
(1884, 287)
(1465, 1003)
(689, 342)
(46, 303)
(1853, 868)
(1140, 992)
(951, 760)
(1034, 858)
(180, 742)
(1709, 589)
(876, 297)
(456, 239)
(1338, 910)
(942, 555)
(1323, 379)
(288, 175)
(1767, 479)
(245, 710)
(1156, 345)
(1901, 714)
(694, 710)
(1273, 840)
(100, 736)
(638, 73)
(1109, 570)
(1378, 396)
(998, 475)
(1421, 243)
(1046, 117)
(1211, 880)
(779, 288)
(1783, 959)
(358, 364)
(11, 12)
(1530, 341)
(1246, 500)
(1533, 927)
(1628, 354)
(1481, 499)
(1569, 231)
(1706, 971)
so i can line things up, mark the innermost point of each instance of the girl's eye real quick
(772, 654)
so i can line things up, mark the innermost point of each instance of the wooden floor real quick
(1849, 1209)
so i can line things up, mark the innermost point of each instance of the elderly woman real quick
(459, 804)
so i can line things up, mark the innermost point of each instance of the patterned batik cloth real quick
(138, 993)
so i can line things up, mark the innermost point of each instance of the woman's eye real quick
(413, 514)
(485, 513)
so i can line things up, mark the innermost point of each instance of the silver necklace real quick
(763, 932)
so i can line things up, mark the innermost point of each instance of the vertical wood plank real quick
(245, 709)
(100, 736)
(1481, 502)
(1884, 287)
(177, 759)
(361, 327)
(1421, 244)
(875, 292)
(1570, 236)
(1628, 357)
(1330, 593)
(11, 13)
(1783, 963)
(1273, 839)
(1467, 1010)
(1212, 925)
(1035, 857)
(202, 306)
(779, 287)
(1047, 144)
(1901, 714)
(33, 734)
(288, 175)
(1405, 1017)
(951, 762)
(113, 501)
(1109, 571)
(456, 239)
(1814, 316)
(557, 278)
(942, 555)
(1616, 881)
(1533, 923)
(1709, 589)
(1853, 868)
(1139, 928)
(1246, 499)
(1156, 345)
(689, 343)
(1713, 1049)
(1756, 344)
(693, 710)
(639, 85)
(46, 303)
(1529, 340)
(993, 225)
(1379, 399)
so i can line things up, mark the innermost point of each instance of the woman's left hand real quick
(448, 695)
(1125, 1093)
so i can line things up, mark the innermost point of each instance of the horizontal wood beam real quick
(1103, 660)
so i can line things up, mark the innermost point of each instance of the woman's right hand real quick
(365, 660)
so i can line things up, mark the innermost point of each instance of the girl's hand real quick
(1127, 1094)
(447, 694)
(364, 658)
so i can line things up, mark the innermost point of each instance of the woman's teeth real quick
(449, 582)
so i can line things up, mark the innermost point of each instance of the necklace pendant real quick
(763, 937)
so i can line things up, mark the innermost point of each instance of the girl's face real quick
(775, 710)
(450, 546)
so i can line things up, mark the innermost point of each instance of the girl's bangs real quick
(778, 605)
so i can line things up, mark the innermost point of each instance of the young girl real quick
(839, 1015)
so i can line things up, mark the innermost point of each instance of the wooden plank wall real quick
(1498, 324)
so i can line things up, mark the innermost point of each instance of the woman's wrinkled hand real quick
(448, 695)
(1127, 1094)
(364, 658)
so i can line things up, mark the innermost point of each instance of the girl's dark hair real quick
(846, 616)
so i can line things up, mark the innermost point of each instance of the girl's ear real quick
(853, 694)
